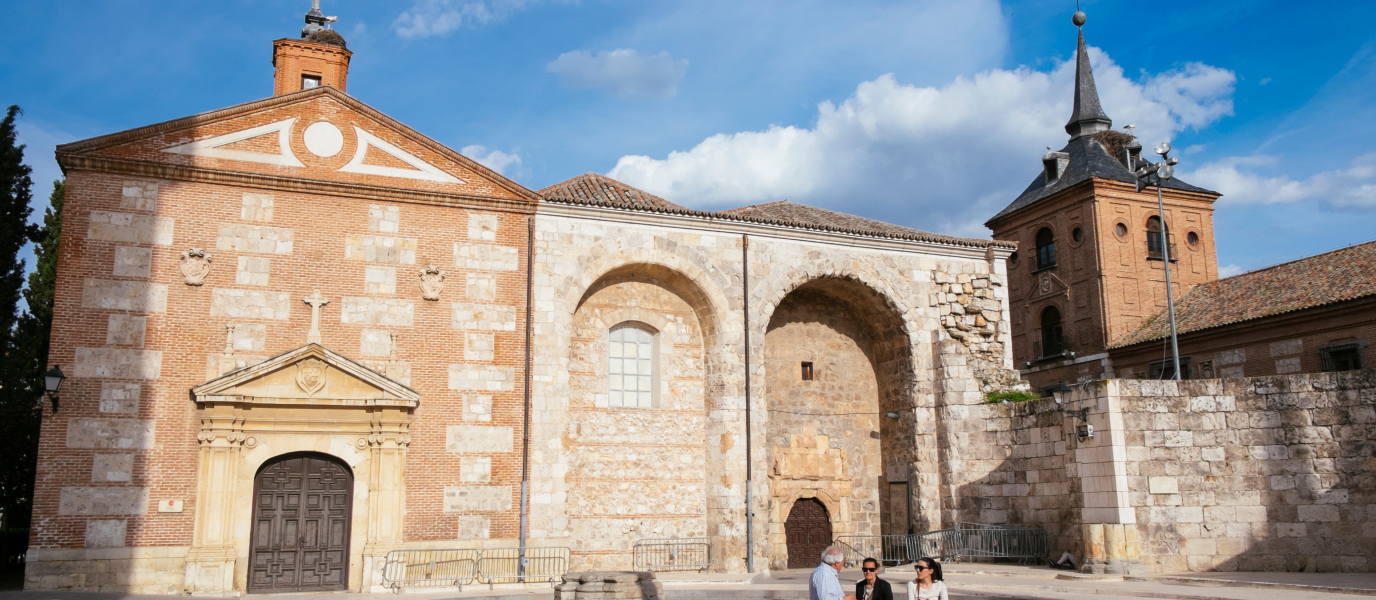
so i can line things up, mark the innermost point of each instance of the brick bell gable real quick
(308, 141)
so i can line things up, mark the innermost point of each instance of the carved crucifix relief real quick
(316, 301)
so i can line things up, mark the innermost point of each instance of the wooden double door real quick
(807, 532)
(301, 511)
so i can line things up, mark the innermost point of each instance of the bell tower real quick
(1089, 266)
(319, 57)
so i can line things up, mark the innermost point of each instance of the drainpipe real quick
(525, 428)
(749, 491)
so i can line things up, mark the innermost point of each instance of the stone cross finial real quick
(229, 338)
(393, 335)
(316, 301)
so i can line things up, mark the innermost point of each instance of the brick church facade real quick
(300, 335)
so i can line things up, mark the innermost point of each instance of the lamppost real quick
(52, 381)
(1161, 172)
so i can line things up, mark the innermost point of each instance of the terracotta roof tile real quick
(600, 189)
(592, 189)
(1336, 276)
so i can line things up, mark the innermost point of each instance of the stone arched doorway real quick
(302, 506)
(808, 533)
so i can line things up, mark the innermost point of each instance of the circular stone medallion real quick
(323, 139)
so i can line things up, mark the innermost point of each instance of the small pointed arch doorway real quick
(302, 506)
(807, 532)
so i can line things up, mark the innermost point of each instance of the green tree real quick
(19, 417)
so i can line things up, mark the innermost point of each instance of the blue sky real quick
(928, 114)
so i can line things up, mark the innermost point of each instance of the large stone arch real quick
(703, 288)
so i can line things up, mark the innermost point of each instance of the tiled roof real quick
(1336, 276)
(786, 212)
(591, 188)
(1088, 160)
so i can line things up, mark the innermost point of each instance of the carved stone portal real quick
(431, 282)
(195, 266)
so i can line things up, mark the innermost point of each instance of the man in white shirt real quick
(825, 585)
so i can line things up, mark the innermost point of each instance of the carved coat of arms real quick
(195, 266)
(310, 376)
(431, 282)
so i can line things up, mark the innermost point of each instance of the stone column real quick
(386, 492)
(1108, 528)
(210, 562)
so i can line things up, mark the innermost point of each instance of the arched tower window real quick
(1154, 238)
(633, 372)
(1046, 248)
(1053, 340)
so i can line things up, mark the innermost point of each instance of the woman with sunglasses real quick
(872, 587)
(928, 583)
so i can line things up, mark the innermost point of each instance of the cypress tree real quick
(19, 400)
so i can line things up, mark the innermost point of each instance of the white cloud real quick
(496, 159)
(1229, 270)
(426, 18)
(942, 158)
(624, 71)
(1240, 181)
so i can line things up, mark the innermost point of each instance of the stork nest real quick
(1116, 144)
(328, 37)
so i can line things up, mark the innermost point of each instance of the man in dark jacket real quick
(872, 587)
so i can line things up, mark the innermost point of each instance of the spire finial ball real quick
(1078, 19)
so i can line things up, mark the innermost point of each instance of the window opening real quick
(1343, 357)
(1121, 230)
(309, 81)
(1078, 235)
(1053, 338)
(1046, 249)
(807, 371)
(1163, 369)
(1156, 241)
(1013, 259)
(1192, 238)
(633, 372)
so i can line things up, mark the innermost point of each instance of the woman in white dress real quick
(928, 583)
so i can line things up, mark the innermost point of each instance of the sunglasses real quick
(869, 569)
(922, 568)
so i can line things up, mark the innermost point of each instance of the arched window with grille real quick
(633, 370)
(1046, 248)
(1155, 238)
(1053, 338)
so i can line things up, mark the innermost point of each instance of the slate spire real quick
(1088, 117)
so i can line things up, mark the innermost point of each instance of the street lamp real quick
(1161, 172)
(52, 381)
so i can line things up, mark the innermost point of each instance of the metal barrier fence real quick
(890, 550)
(455, 567)
(974, 541)
(673, 554)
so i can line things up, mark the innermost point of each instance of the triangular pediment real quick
(1046, 284)
(320, 135)
(311, 374)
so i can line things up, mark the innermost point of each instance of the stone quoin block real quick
(377, 311)
(117, 363)
(139, 195)
(477, 407)
(106, 533)
(385, 219)
(380, 280)
(125, 330)
(112, 468)
(110, 433)
(482, 227)
(250, 304)
(118, 397)
(475, 469)
(478, 346)
(375, 342)
(485, 498)
(260, 239)
(257, 207)
(134, 229)
(479, 439)
(488, 378)
(103, 501)
(380, 248)
(132, 261)
(253, 270)
(485, 257)
(250, 337)
(137, 296)
(481, 288)
(483, 317)
(473, 527)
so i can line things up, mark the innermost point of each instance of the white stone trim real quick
(210, 148)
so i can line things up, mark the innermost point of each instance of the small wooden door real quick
(808, 533)
(301, 513)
